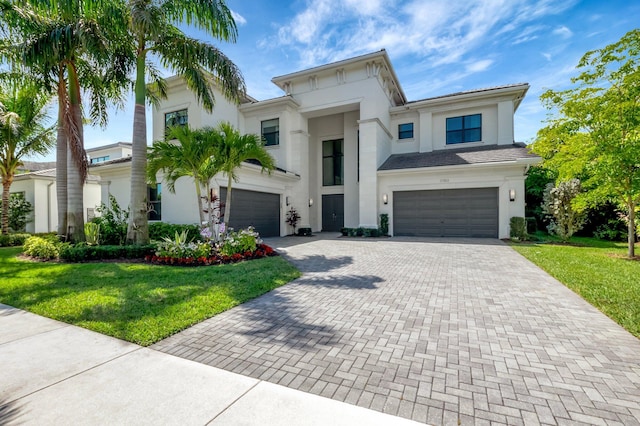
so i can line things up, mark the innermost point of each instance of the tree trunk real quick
(76, 163)
(61, 160)
(6, 186)
(227, 204)
(138, 228)
(200, 202)
(632, 228)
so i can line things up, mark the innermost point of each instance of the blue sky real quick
(436, 47)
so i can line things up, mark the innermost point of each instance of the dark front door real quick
(251, 208)
(332, 212)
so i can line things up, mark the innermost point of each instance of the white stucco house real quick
(349, 147)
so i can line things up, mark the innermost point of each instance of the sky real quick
(436, 47)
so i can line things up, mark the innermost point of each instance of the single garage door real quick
(251, 208)
(446, 213)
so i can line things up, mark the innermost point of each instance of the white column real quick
(368, 174)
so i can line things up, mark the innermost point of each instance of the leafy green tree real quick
(19, 212)
(69, 44)
(23, 130)
(232, 150)
(153, 30)
(192, 156)
(595, 132)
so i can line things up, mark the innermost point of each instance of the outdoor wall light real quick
(286, 199)
(385, 198)
(512, 195)
(310, 202)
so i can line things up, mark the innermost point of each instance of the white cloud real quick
(563, 32)
(240, 20)
(479, 66)
(547, 56)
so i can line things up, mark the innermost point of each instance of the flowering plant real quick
(245, 240)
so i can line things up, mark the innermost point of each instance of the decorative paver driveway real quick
(440, 331)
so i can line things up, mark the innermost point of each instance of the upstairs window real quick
(99, 159)
(333, 162)
(405, 131)
(271, 132)
(175, 118)
(467, 128)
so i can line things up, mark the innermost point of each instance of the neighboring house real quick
(349, 147)
(39, 188)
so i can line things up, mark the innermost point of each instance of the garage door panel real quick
(252, 208)
(446, 213)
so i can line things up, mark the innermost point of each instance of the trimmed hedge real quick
(361, 232)
(83, 252)
(11, 240)
(160, 230)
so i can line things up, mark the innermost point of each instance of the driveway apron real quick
(440, 331)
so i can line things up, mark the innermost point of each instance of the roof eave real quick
(436, 169)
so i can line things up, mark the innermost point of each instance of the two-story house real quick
(349, 147)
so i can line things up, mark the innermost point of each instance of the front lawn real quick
(137, 302)
(597, 271)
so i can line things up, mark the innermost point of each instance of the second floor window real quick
(405, 131)
(271, 132)
(467, 128)
(333, 162)
(175, 118)
(99, 159)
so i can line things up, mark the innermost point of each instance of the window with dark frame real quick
(99, 159)
(405, 131)
(175, 118)
(333, 162)
(467, 128)
(271, 131)
(154, 200)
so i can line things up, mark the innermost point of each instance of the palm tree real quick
(152, 25)
(191, 156)
(67, 42)
(22, 130)
(232, 150)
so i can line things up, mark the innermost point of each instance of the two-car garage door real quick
(446, 213)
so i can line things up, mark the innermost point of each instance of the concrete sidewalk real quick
(56, 373)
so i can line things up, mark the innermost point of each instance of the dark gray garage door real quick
(251, 208)
(446, 213)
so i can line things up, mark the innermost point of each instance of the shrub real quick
(362, 232)
(19, 211)
(160, 230)
(384, 224)
(83, 252)
(245, 240)
(613, 230)
(113, 222)
(92, 233)
(292, 218)
(41, 248)
(532, 225)
(11, 240)
(518, 228)
(181, 247)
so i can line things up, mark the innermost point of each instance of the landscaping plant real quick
(558, 205)
(19, 212)
(292, 218)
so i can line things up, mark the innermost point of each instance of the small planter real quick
(304, 232)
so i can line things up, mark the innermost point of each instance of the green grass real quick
(137, 302)
(596, 270)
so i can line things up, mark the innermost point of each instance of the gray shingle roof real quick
(452, 157)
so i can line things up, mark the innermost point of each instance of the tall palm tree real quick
(191, 156)
(232, 150)
(67, 42)
(22, 130)
(153, 29)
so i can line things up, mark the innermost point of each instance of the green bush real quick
(113, 222)
(19, 212)
(613, 230)
(83, 252)
(518, 228)
(12, 240)
(239, 242)
(42, 248)
(384, 224)
(160, 230)
(362, 232)
(532, 225)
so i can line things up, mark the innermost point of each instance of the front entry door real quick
(332, 212)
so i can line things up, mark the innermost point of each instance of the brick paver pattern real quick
(439, 331)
